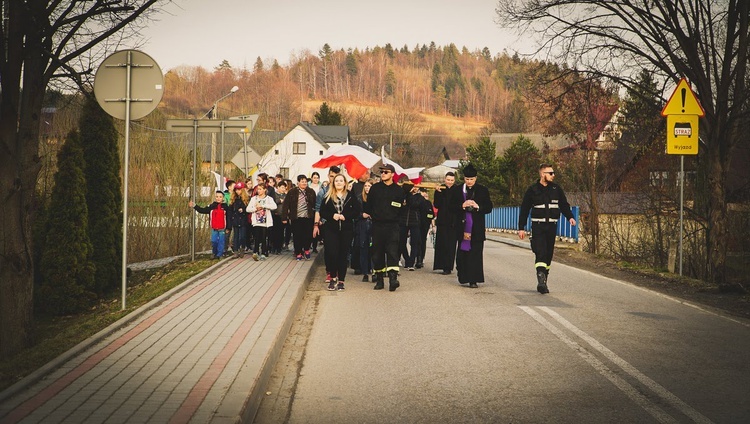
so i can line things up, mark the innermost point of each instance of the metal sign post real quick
(202, 126)
(682, 112)
(125, 97)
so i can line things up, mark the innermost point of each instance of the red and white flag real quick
(413, 174)
(355, 159)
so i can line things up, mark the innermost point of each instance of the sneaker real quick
(328, 277)
(365, 279)
(332, 286)
(473, 285)
(299, 257)
(410, 268)
(340, 286)
(255, 256)
(307, 254)
(262, 257)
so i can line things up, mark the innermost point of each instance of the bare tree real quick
(43, 43)
(704, 41)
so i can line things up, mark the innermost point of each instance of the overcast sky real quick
(205, 32)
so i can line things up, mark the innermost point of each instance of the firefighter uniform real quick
(384, 204)
(546, 203)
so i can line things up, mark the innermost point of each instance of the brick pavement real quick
(203, 353)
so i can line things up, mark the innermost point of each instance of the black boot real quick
(378, 278)
(541, 285)
(393, 280)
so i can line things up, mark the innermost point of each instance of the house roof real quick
(504, 140)
(326, 134)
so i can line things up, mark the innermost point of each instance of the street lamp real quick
(213, 112)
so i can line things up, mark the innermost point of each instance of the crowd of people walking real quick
(373, 226)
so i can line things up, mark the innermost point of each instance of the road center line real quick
(599, 366)
(662, 392)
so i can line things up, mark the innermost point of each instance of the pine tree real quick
(68, 270)
(327, 116)
(103, 197)
(483, 156)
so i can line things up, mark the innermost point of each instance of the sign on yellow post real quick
(682, 134)
(682, 111)
(683, 102)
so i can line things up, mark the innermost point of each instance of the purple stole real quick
(466, 244)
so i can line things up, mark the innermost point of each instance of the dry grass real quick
(463, 130)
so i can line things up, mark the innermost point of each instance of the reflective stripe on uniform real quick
(543, 219)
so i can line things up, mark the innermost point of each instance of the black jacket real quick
(351, 211)
(289, 207)
(413, 207)
(546, 203)
(385, 202)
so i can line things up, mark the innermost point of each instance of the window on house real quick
(276, 151)
(321, 152)
(299, 148)
(659, 178)
(284, 172)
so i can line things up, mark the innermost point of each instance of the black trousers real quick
(543, 244)
(302, 229)
(337, 249)
(385, 237)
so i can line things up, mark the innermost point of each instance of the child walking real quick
(238, 207)
(218, 219)
(260, 208)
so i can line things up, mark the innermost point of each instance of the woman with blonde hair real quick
(339, 209)
(238, 201)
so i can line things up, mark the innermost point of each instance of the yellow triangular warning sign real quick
(683, 102)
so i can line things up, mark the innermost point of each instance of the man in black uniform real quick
(384, 204)
(445, 227)
(546, 201)
(470, 202)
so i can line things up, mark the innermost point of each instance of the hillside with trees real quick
(428, 92)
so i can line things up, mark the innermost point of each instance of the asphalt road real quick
(593, 350)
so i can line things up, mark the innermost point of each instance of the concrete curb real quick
(256, 394)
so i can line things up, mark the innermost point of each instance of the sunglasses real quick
(385, 171)
(550, 172)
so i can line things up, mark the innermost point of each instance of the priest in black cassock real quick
(471, 202)
(445, 227)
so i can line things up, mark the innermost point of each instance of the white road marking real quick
(599, 366)
(662, 392)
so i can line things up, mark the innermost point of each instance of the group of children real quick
(250, 216)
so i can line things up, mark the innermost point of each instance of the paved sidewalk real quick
(201, 353)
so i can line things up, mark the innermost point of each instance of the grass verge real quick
(56, 335)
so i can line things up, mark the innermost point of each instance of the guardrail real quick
(506, 218)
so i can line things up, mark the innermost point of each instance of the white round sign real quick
(146, 84)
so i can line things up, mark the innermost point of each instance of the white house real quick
(301, 147)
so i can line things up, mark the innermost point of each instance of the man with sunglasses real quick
(546, 201)
(385, 203)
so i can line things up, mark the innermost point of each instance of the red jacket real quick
(218, 214)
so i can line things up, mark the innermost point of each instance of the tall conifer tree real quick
(103, 197)
(68, 270)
